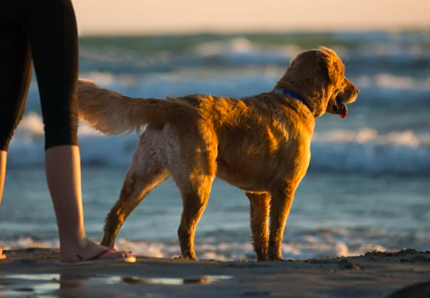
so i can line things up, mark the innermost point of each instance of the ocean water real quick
(368, 183)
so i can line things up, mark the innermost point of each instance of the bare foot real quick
(2, 256)
(88, 250)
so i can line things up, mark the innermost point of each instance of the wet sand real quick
(33, 273)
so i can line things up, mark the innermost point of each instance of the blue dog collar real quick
(293, 95)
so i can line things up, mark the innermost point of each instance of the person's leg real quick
(54, 44)
(3, 156)
(63, 174)
(15, 76)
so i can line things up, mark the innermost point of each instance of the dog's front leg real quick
(260, 223)
(280, 204)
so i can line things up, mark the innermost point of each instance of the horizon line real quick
(218, 31)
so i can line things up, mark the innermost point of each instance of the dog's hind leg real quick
(260, 223)
(193, 176)
(195, 197)
(138, 183)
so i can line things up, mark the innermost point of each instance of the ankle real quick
(73, 243)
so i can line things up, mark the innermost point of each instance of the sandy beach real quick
(33, 273)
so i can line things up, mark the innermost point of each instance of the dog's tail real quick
(113, 113)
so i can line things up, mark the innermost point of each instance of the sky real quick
(175, 16)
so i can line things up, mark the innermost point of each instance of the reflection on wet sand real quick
(67, 285)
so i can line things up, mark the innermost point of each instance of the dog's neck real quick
(294, 95)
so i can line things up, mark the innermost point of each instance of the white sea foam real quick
(219, 251)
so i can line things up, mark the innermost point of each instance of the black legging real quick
(42, 31)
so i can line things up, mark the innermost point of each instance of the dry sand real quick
(33, 273)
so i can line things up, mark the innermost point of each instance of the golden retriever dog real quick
(260, 144)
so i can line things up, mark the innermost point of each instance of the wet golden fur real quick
(260, 144)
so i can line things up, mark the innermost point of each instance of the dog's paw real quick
(276, 258)
(284, 260)
(185, 258)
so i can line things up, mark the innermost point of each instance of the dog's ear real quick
(321, 66)
(305, 66)
(313, 68)
(331, 66)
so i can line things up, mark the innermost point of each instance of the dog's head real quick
(319, 77)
